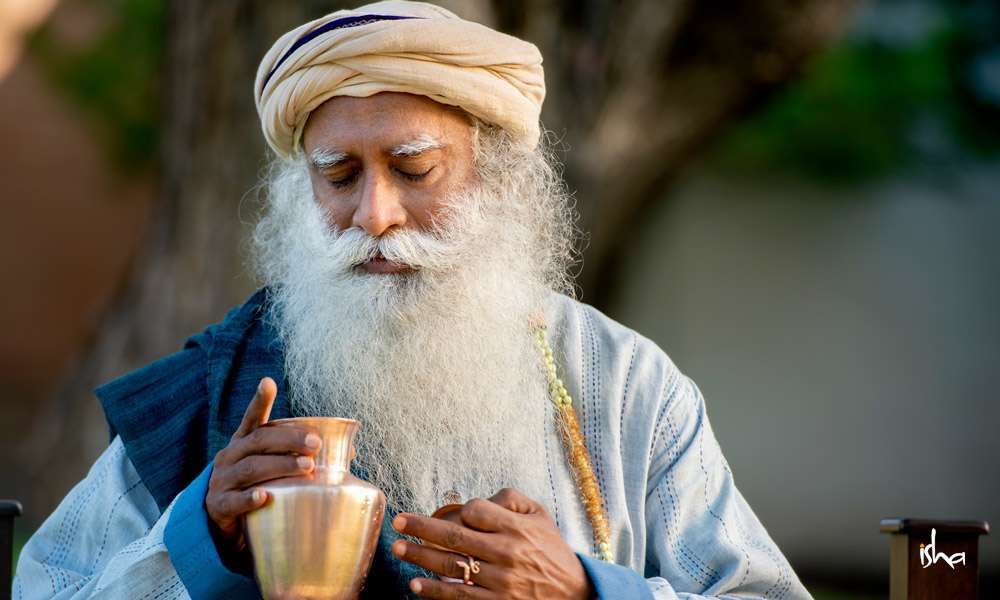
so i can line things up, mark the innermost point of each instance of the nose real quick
(380, 206)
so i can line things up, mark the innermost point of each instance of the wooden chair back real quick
(933, 559)
(9, 510)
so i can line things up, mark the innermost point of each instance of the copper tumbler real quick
(316, 536)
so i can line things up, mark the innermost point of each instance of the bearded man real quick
(414, 249)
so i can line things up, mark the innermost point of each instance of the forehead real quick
(387, 119)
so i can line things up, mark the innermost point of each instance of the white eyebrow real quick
(321, 158)
(421, 143)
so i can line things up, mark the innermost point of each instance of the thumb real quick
(259, 410)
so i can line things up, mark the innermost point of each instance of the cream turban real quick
(398, 46)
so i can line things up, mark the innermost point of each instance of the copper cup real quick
(316, 536)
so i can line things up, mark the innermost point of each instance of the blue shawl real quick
(175, 414)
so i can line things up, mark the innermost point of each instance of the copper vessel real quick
(316, 536)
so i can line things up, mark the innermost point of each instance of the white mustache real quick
(349, 248)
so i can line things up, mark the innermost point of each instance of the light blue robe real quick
(679, 526)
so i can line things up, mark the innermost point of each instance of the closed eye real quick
(414, 176)
(344, 181)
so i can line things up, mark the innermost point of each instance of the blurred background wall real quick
(830, 276)
(796, 200)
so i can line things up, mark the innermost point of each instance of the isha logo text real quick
(928, 556)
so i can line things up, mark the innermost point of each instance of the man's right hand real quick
(255, 454)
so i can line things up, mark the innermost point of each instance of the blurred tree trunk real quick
(636, 89)
(639, 88)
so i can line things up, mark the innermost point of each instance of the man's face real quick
(394, 176)
(385, 162)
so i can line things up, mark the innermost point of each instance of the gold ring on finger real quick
(469, 567)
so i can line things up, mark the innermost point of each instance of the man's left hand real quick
(520, 551)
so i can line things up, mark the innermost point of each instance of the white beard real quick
(438, 365)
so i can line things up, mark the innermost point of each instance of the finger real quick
(515, 501)
(263, 467)
(259, 409)
(273, 440)
(228, 506)
(442, 590)
(449, 535)
(486, 515)
(447, 564)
